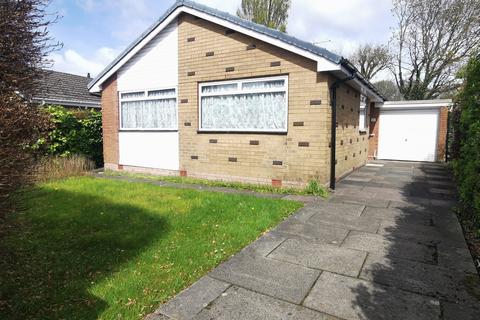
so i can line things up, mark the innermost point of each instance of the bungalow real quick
(206, 94)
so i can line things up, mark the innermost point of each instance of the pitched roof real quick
(248, 25)
(65, 89)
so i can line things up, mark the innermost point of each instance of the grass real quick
(313, 188)
(96, 248)
(58, 167)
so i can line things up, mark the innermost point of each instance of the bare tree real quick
(24, 46)
(371, 59)
(433, 40)
(271, 13)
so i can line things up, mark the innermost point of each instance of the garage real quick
(412, 130)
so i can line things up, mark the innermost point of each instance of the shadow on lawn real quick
(423, 229)
(62, 246)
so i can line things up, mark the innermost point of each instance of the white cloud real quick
(71, 61)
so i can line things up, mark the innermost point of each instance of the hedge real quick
(467, 162)
(75, 132)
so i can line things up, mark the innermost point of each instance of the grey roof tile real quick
(60, 86)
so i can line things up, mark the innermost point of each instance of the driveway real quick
(386, 245)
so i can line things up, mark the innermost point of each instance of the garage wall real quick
(440, 139)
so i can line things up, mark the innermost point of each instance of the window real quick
(244, 105)
(362, 122)
(149, 110)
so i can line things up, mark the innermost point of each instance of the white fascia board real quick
(323, 64)
(390, 105)
(365, 90)
(97, 86)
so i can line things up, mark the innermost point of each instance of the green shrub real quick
(75, 132)
(467, 164)
(316, 189)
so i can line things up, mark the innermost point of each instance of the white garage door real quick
(408, 135)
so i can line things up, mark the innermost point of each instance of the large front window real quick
(259, 105)
(149, 110)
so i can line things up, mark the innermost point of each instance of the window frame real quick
(239, 91)
(147, 98)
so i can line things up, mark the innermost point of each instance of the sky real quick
(94, 32)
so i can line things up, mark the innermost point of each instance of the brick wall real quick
(110, 123)
(442, 134)
(352, 146)
(205, 53)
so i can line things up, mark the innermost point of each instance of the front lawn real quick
(89, 248)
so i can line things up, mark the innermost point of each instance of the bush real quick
(75, 132)
(57, 167)
(467, 164)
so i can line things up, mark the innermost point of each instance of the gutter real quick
(333, 129)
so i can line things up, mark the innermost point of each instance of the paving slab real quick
(309, 231)
(390, 247)
(407, 215)
(318, 256)
(418, 277)
(351, 298)
(193, 299)
(241, 304)
(379, 203)
(286, 281)
(456, 258)
(456, 311)
(345, 221)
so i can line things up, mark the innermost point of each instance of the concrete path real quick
(385, 246)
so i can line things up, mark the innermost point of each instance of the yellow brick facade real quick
(206, 50)
(254, 162)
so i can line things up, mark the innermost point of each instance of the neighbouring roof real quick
(343, 64)
(65, 89)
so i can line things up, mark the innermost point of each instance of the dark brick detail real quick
(358, 139)
(229, 69)
(343, 107)
(275, 64)
(360, 152)
(120, 167)
(354, 154)
(209, 54)
(341, 142)
(315, 102)
(187, 124)
(183, 173)
(298, 124)
(277, 163)
(191, 39)
(346, 157)
(232, 159)
(251, 46)
(213, 140)
(351, 109)
(190, 73)
(303, 144)
(229, 31)
(254, 142)
(184, 101)
(351, 141)
(276, 183)
(194, 157)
